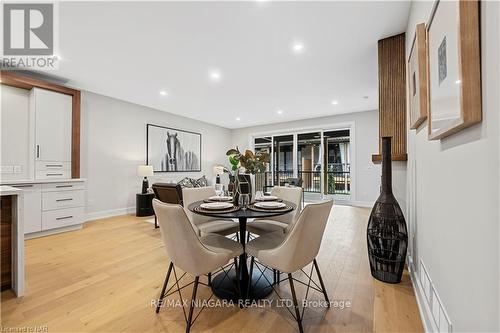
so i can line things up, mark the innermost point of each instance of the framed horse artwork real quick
(172, 150)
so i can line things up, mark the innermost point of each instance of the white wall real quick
(14, 120)
(114, 144)
(367, 174)
(453, 208)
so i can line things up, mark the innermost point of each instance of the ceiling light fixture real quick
(163, 93)
(298, 47)
(335, 102)
(279, 112)
(238, 118)
(215, 75)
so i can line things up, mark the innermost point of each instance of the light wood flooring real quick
(104, 277)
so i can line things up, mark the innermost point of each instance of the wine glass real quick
(259, 195)
(244, 201)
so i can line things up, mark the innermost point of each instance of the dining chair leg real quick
(250, 272)
(295, 303)
(209, 276)
(191, 304)
(156, 223)
(237, 237)
(321, 283)
(162, 294)
(237, 271)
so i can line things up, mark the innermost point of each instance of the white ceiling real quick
(133, 50)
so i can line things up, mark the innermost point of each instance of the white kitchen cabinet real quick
(52, 207)
(52, 114)
(32, 207)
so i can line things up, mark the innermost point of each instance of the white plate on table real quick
(216, 205)
(270, 205)
(221, 198)
(267, 198)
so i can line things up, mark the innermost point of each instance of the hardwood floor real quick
(104, 277)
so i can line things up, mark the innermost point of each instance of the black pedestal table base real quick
(225, 287)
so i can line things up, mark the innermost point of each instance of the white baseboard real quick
(109, 213)
(423, 307)
(366, 204)
(53, 231)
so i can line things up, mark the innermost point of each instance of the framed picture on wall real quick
(172, 150)
(417, 76)
(454, 70)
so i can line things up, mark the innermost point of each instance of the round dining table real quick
(225, 285)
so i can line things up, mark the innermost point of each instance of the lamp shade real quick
(218, 170)
(145, 170)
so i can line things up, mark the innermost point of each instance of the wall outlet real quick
(6, 169)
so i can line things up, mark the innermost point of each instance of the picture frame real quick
(417, 79)
(453, 67)
(172, 150)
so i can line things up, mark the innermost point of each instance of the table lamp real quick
(145, 171)
(218, 170)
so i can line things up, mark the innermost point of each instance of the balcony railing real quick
(338, 180)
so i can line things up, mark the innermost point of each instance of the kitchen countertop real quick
(9, 190)
(41, 181)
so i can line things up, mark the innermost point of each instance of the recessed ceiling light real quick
(238, 118)
(215, 75)
(298, 47)
(335, 102)
(279, 112)
(163, 93)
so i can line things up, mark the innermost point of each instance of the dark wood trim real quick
(5, 242)
(75, 136)
(23, 82)
(399, 157)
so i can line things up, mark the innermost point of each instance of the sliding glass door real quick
(321, 159)
(337, 176)
(283, 158)
(264, 181)
(309, 161)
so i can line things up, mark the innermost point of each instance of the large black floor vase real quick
(386, 234)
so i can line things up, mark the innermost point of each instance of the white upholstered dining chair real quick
(205, 225)
(282, 222)
(294, 250)
(194, 255)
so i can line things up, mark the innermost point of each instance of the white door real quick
(32, 195)
(52, 125)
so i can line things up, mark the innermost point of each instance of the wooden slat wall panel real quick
(392, 94)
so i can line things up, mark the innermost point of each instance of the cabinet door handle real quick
(53, 165)
(54, 174)
(64, 217)
(66, 199)
(37, 151)
(20, 186)
(61, 186)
